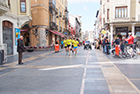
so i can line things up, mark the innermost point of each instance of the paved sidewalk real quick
(117, 82)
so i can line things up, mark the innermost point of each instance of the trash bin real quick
(1, 57)
(56, 48)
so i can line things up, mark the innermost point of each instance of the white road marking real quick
(62, 67)
(84, 76)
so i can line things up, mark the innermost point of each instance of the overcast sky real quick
(85, 8)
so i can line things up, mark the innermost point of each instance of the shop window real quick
(22, 5)
(121, 12)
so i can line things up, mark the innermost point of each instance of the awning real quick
(60, 34)
(53, 32)
(57, 33)
(23, 30)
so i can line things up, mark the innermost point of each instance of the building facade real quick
(13, 15)
(120, 16)
(49, 21)
(76, 25)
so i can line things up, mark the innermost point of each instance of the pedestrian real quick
(69, 44)
(75, 44)
(107, 45)
(135, 42)
(20, 49)
(62, 44)
(119, 36)
(100, 42)
(65, 44)
(130, 40)
(104, 45)
(72, 45)
(97, 44)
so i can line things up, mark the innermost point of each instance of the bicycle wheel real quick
(135, 54)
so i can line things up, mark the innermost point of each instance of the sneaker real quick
(69, 54)
(75, 54)
(66, 53)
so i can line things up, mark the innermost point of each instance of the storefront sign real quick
(121, 29)
(103, 32)
(17, 35)
(137, 28)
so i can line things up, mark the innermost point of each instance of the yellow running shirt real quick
(72, 41)
(65, 42)
(75, 43)
(68, 41)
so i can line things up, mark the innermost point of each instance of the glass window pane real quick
(116, 13)
(119, 13)
(125, 12)
(122, 12)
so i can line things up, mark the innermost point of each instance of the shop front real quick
(122, 31)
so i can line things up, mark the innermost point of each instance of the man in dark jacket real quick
(20, 49)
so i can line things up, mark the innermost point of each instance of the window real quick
(107, 14)
(23, 5)
(9, 4)
(53, 1)
(121, 12)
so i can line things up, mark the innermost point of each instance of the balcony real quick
(56, 11)
(63, 17)
(4, 6)
(52, 6)
(66, 20)
(66, 9)
(60, 29)
(60, 14)
(53, 26)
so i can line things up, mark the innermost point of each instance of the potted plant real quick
(30, 49)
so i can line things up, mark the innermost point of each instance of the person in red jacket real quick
(130, 39)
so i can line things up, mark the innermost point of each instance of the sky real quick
(87, 9)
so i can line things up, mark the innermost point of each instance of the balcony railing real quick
(52, 6)
(53, 26)
(60, 29)
(60, 14)
(63, 17)
(4, 6)
(56, 11)
(66, 9)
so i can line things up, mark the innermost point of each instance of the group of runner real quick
(71, 44)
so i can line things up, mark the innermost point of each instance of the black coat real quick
(20, 46)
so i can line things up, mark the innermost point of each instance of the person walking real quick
(62, 44)
(20, 49)
(135, 42)
(65, 44)
(72, 45)
(75, 44)
(69, 44)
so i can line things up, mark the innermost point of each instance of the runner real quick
(72, 45)
(66, 48)
(69, 44)
(75, 43)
